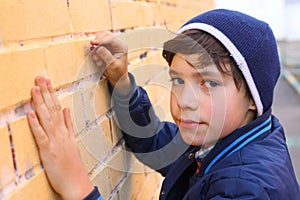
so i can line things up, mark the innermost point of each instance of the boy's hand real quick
(111, 54)
(54, 134)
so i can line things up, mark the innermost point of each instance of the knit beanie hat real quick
(252, 45)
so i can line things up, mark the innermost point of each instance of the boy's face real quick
(205, 104)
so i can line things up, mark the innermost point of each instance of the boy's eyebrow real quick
(173, 72)
(201, 72)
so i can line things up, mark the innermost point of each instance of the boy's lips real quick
(189, 124)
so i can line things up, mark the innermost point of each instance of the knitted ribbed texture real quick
(255, 48)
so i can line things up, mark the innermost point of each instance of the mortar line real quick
(102, 163)
(22, 108)
(13, 154)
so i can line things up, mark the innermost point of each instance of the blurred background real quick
(283, 17)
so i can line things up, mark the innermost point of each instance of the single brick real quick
(88, 159)
(119, 165)
(88, 99)
(76, 109)
(68, 61)
(89, 16)
(96, 143)
(105, 125)
(37, 187)
(7, 174)
(26, 152)
(196, 5)
(160, 98)
(116, 133)
(132, 186)
(101, 98)
(144, 72)
(21, 20)
(22, 64)
(137, 14)
(149, 187)
(146, 38)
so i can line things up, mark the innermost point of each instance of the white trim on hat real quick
(238, 57)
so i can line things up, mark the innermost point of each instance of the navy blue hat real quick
(252, 45)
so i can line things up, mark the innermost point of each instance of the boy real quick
(225, 145)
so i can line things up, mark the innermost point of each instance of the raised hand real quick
(111, 53)
(53, 131)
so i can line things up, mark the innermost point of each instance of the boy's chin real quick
(198, 141)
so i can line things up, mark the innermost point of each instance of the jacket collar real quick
(237, 140)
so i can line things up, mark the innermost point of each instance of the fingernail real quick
(37, 91)
(48, 83)
(32, 115)
(41, 80)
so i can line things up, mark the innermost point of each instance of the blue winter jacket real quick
(253, 162)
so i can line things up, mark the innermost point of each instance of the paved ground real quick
(287, 108)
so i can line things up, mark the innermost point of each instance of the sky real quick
(282, 15)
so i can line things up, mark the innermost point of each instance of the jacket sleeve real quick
(236, 188)
(94, 195)
(152, 140)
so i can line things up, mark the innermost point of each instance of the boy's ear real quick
(252, 105)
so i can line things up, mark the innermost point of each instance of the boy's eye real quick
(211, 84)
(177, 81)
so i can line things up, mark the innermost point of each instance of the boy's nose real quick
(188, 99)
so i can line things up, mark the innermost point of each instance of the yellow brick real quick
(88, 159)
(102, 181)
(116, 133)
(88, 100)
(17, 72)
(96, 143)
(149, 187)
(66, 61)
(26, 153)
(21, 20)
(118, 166)
(115, 177)
(102, 102)
(196, 5)
(105, 126)
(36, 187)
(144, 71)
(132, 186)
(128, 14)
(7, 174)
(89, 16)
(160, 98)
(72, 100)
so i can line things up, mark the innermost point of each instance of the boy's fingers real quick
(105, 55)
(41, 82)
(39, 134)
(41, 109)
(56, 103)
(68, 121)
(101, 37)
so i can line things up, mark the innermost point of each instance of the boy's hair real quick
(210, 51)
(252, 45)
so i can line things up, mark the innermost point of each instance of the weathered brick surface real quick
(26, 153)
(18, 68)
(89, 16)
(21, 20)
(7, 174)
(52, 39)
(36, 187)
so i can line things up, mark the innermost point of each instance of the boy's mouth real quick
(188, 124)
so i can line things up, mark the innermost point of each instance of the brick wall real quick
(51, 38)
